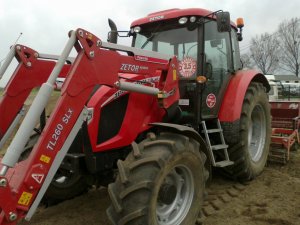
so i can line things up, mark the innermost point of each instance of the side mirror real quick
(223, 22)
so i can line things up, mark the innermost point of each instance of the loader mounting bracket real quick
(7, 200)
(88, 41)
(26, 55)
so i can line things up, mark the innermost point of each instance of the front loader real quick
(157, 115)
(32, 71)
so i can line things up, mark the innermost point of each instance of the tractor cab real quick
(206, 46)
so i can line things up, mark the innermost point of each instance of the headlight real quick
(137, 29)
(183, 20)
(193, 19)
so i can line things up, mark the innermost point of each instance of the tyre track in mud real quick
(271, 199)
(222, 194)
(219, 194)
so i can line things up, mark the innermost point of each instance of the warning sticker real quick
(25, 198)
(45, 159)
(211, 100)
(187, 67)
(174, 75)
(38, 177)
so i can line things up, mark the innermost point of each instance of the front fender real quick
(184, 130)
(231, 107)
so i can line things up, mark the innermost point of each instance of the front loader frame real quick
(32, 71)
(23, 184)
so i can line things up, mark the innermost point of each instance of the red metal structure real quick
(285, 129)
(154, 111)
(32, 72)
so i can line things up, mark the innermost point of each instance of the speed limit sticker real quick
(187, 67)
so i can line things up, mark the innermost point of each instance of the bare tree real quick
(264, 52)
(289, 35)
(246, 60)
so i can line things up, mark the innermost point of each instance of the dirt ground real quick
(273, 198)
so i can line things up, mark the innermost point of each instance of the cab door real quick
(217, 67)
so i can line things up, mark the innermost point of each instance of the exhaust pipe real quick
(113, 34)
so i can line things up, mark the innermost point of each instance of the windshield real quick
(179, 41)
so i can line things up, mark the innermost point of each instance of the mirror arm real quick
(240, 34)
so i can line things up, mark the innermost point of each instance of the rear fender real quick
(231, 107)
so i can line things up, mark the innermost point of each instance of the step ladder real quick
(216, 147)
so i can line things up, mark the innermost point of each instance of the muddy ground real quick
(273, 198)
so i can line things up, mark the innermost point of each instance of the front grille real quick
(111, 118)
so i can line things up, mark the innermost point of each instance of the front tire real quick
(249, 144)
(160, 183)
(66, 185)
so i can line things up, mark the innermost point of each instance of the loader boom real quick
(23, 184)
(32, 71)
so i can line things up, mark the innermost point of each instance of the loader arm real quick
(32, 71)
(23, 184)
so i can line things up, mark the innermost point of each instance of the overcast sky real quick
(45, 23)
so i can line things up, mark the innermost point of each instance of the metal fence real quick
(289, 91)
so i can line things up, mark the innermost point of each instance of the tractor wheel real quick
(249, 146)
(66, 185)
(160, 183)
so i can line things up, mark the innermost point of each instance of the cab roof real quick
(171, 14)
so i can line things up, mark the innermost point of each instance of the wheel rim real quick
(175, 212)
(257, 133)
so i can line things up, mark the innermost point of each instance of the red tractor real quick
(149, 120)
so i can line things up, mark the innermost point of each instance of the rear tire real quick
(249, 148)
(160, 183)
